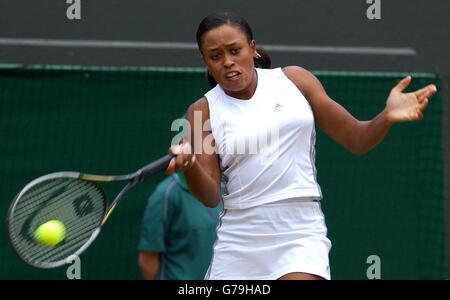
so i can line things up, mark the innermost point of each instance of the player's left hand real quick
(402, 107)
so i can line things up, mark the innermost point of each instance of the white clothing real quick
(266, 143)
(268, 241)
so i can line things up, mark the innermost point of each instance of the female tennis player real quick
(272, 226)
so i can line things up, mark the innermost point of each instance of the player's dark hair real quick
(218, 19)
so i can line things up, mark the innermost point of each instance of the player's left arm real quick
(355, 135)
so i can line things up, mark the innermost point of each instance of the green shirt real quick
(181, 228)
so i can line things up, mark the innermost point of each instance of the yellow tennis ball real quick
(50, 233)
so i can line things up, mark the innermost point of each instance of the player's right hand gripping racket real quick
(75, 199)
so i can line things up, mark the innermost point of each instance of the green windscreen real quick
(387, 203)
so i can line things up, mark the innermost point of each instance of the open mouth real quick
(232, 75)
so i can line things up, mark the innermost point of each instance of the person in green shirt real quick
(177, 233)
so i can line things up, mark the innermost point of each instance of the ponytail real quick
(263, 61)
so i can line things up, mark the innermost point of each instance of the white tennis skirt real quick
(268, 241)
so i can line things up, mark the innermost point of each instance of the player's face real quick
(229, 58)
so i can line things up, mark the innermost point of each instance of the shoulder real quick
(295, 71)
(199, 105)
(305, 81)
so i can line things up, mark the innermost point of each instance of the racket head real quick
(79, 204)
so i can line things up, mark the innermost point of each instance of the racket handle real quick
(155, 167)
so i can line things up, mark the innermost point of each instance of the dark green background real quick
(114, 120)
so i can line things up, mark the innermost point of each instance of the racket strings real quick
(34, 201)
(31, 199)
(47, 210)
(81, 234)
(78, 204)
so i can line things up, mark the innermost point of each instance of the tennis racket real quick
(75, 199)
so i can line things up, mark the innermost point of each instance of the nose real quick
(228, 61)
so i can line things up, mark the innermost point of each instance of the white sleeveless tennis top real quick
(266, 143)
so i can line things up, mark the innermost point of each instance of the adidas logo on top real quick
(277, 107)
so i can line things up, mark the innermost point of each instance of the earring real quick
(258, 56)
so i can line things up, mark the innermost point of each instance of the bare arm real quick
(359, 136)
(203, 172)
(148, 264)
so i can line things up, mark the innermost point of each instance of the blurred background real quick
(98, 94)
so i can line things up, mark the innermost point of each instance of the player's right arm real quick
(203, 173)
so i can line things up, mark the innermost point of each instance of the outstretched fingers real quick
(403, 84)
(425, 93)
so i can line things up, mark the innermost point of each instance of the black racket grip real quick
(155, 167)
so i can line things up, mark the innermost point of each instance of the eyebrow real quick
(233, 43)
